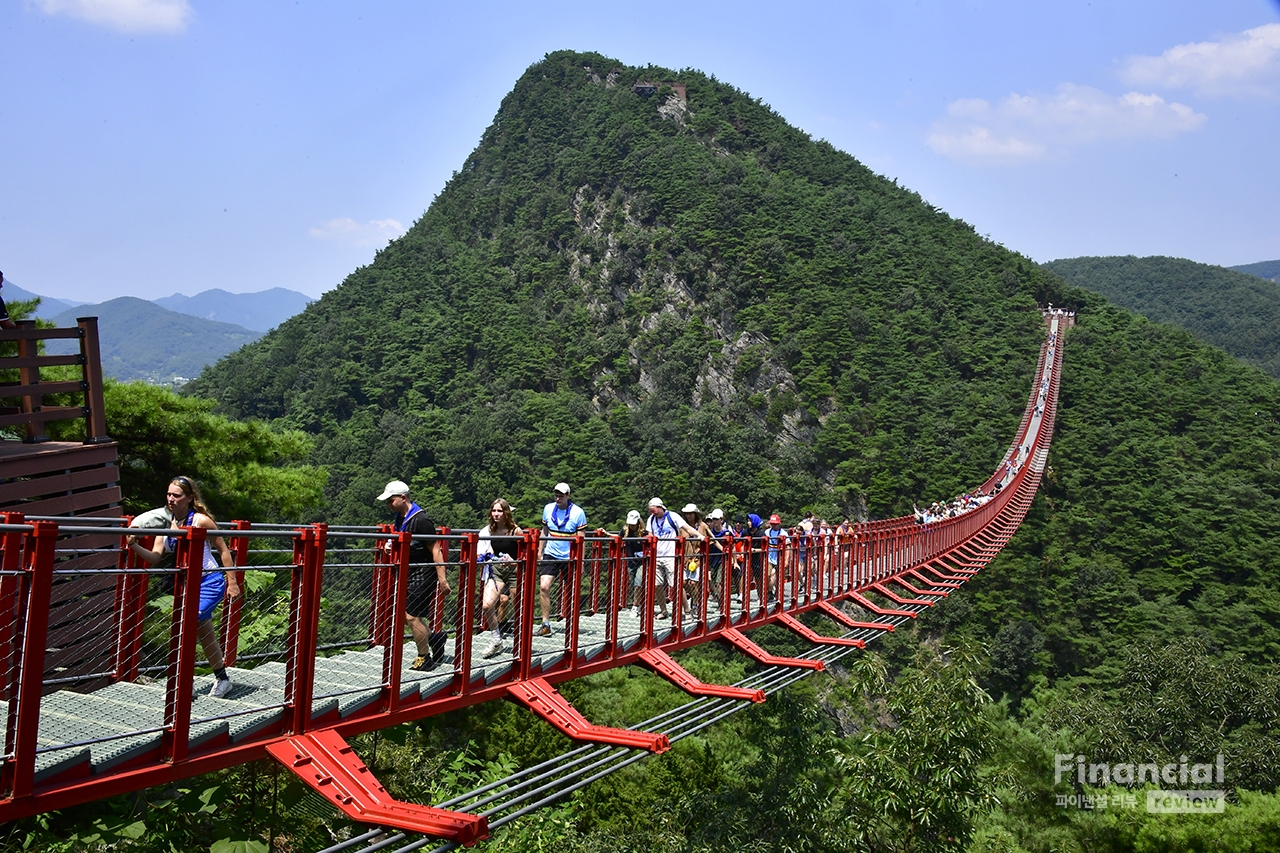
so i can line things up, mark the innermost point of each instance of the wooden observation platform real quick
(43, 477)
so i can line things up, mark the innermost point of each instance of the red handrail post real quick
(239, 547)
(382, 591)
(596, 559)
(24, 692)
(527, 614)
(131, 607)
(650, 596)
(304, 618)
(466, 611)
(573, 590)
(188, 562)
(10, 591)
(390, 591)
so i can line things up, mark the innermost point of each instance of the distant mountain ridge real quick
(259, 311)
(1270, 270)
(141, 340)
(207, 327)
(1235, 311)
(48, 307)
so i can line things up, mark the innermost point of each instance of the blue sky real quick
(149, 147)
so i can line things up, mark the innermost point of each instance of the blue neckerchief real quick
(555, 522)
(414, 509)
(667, 525)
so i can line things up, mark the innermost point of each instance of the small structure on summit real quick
(646, 88)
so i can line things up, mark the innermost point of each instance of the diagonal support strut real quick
(814, 637)
(539, 696)
(745, 645)
(848, 621)
(324, 761)
(663, 664)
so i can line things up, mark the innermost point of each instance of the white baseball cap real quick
(395, 487)
(562, 488)
(716, 513)
(690, 507)
(657, 502)
(633, 517)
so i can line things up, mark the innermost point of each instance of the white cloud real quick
(1021, 128)
(1246, 63)
(128, 16)
(376, 232)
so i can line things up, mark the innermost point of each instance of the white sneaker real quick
(634, 612)
(495, 649)
(221, 687)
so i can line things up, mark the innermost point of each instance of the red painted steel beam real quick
(740, 641)
(539, 696)
(663, 664)
(934, 568)
(885, 591)
(877, 609)
(913, 590)
(848, 621)
(325, 762)
(814, 637)
(933, 582)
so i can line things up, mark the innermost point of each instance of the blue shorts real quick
(213, 588)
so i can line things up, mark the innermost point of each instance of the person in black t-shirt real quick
(424, 582)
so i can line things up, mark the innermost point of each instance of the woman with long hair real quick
(498, 550)
(184, 502)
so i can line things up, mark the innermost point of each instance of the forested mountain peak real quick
(648, 291)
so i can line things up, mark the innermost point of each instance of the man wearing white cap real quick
(420, 597)
(666, 526)
(715, 557)
(561, 521)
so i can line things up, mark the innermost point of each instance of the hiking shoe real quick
(545, 630)
(221, 687)
(495, 649)
(423, 663)
(634, 612)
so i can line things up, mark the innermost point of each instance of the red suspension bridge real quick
(316, 652)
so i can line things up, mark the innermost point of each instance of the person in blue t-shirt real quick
(777, 543)
(561, 521)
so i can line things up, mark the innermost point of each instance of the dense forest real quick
(1238, 312)
(686, 296)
